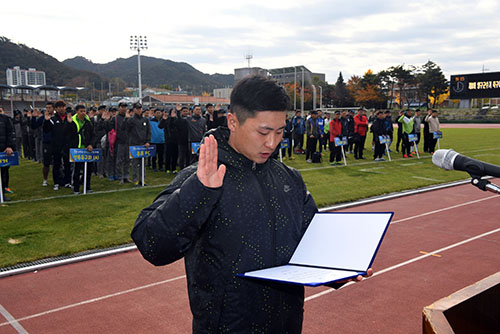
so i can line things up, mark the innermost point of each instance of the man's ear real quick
(232, 121)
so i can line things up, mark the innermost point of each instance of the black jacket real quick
(182, 130)
(169, 129)
(7, 133)
(254, 221)
(139, 130)
(378, 128)
(60, 132)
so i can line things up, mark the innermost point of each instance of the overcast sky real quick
(214, 36)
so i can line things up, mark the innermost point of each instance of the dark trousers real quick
(61, 177)
(350, 141)
(321, 140)
(298, 140)
(5, 177)
(406, 146)
(379, 149)
(184, 155)
(400, 138)
(432, 144)
(171, 154)
(359, 147)
(78, 175)
(427, 140)
(311, 147)
(160, 148)
(335, 152)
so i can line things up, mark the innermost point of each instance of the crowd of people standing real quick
(47, 135)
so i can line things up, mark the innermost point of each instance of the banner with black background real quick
(474, 86)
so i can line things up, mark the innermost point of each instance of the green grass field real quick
(46, 223)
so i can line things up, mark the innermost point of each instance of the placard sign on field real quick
(82, 155)
(136, 152)
(12, 160)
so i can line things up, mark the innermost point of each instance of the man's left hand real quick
(90, 148)
(147, 144)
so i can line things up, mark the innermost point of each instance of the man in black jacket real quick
(378, 129)
(7, 145)
(235, 210)
(181, 124)
(59, 127)
(171, 149)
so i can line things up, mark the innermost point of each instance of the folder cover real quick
(335, 247)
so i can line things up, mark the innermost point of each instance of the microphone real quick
(451, 160)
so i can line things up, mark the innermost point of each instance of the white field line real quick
(412, 164)
(418, 258)
(93, 300)
(427, 178)
(372, 170)
(11, 321)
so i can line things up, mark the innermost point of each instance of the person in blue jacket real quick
(157, 139)
(299, 130)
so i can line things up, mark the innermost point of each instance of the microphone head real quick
(444, 159)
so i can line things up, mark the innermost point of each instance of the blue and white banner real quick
(340, 142)
(437, 135)
(384, 139)
(82, 155)
(195, 148)
(137, 152)
(412, 138)
(285, 143)
(12, 160)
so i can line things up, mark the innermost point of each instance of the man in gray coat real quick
(197, 127)
(139, 133)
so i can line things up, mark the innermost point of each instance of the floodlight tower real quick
(139, 43)
(248, 57)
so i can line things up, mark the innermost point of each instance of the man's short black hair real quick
(101, 107)
(209, 105)
(49, 104)
(257, 93)
(59, 103)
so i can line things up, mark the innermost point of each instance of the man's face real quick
(197, 111)
(184, 112)
(50, 109)
(434, 114)
(336, 116)
(81, 114)
(320, 113)
(138, 111)
(298, 114)
(122, 110)
(210, 109)
(158, 114)
(257, 137)
(381, 115)
(344, 114)
(61, 110)
(314, 116)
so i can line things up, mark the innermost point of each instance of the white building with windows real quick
(18, 76)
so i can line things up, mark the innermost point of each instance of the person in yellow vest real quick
(82, 136)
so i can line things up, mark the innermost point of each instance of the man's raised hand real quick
(208, 173)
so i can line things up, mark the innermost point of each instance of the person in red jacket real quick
(360, 130)
(335, 131)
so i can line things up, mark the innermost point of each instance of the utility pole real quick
(302, 93)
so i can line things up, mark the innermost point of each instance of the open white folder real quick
(335, 247)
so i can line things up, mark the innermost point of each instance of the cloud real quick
(325, 36)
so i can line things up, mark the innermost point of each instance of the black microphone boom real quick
(451, 160)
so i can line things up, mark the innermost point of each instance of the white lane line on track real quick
(92, 300)
(418, 258)
(445, 209)
(12, 321)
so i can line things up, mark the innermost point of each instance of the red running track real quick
(124, 294)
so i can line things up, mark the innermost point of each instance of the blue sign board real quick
(412, 138)
(82, 155)
(285, 143)
(340, 142)
(437, 135)
(195, 148)
(384, 139)
(12, 160)
(137, 152)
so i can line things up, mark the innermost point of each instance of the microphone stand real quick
(484, 185)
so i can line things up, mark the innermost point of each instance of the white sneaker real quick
(44, 183)
(309, 161)
(56, 187)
